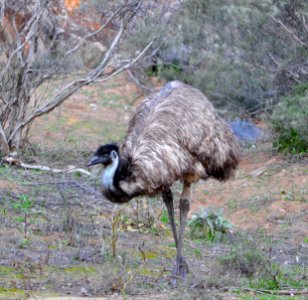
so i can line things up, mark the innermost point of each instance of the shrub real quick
(245, 258)
(209, 224)
(290, 122)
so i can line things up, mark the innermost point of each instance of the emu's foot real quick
(180, 269)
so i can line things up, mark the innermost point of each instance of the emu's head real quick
(108, 155)
(105, 155)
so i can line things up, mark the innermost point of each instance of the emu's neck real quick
(109, 174)
(110, 182)
(117, 183)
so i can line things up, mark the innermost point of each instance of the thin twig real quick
(138, 83)
(128, 65)
(92, 33)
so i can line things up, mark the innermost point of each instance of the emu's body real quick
(175, 134)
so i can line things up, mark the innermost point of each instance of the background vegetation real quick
(290, 121)
(244, 55)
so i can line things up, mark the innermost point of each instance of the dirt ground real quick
(60, 238)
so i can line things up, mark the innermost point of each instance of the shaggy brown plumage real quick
(176, 135)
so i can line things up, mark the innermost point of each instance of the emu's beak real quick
(96, 160)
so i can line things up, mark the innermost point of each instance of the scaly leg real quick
(168, 200)
(181, 268)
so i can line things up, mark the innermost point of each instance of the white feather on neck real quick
(109, 172)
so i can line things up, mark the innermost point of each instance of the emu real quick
(175, 134)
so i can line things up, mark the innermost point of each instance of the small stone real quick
(84, 291)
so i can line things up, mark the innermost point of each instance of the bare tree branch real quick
(30, 60)
(128, 65)
(32, 25)
(71, 88)
(2, 133)
(93, 33)
(2, 7)
(291, 33)
(138, 83)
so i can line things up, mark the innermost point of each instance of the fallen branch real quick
(70, 169)
(291, 292)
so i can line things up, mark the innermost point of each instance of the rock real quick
(83, 292)
(258, 172)
(245, 130)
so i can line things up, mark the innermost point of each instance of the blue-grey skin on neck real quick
(109, 172)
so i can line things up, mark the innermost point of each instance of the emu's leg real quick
(181, 268)
(168, 200)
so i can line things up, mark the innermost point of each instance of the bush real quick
(290, 122)
(209, 224)
(245, 258)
